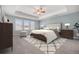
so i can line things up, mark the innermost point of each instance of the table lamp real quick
(67, 25)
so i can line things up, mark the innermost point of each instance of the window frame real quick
(30, 24)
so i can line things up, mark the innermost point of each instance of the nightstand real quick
(67, 34)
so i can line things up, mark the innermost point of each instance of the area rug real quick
(46, 48)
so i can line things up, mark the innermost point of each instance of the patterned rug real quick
(46, 48)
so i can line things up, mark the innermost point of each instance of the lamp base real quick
(67, 27)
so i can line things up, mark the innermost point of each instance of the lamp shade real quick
(67, 24)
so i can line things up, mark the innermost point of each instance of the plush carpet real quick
(46, 48)
(31, 45)
(69, 47)
(21, 46)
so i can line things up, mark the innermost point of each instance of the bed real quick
(48, 34)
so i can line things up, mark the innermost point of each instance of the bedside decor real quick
(7, 20)
(76, 29)
(77, 26)
(67, 25)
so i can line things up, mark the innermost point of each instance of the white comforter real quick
(49, 34)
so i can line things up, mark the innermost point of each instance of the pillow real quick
(47, 28)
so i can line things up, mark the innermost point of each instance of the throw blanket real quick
(49, 34)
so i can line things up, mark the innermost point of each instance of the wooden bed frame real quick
(42, 37)
(39, 36)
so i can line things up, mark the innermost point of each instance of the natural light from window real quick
(21, 24)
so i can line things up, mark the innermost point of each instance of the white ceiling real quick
(26, 11)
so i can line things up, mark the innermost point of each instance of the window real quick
(18, 24)
(29, 25)
(26, 25)
(21, 24)
(32, 24)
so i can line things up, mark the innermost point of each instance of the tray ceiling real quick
(27, 10)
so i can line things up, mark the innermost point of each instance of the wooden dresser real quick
(6, 35)
(67, 34)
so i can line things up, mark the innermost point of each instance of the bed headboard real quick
(53, 26)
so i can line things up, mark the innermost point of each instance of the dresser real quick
(67, 34)
(6, 35)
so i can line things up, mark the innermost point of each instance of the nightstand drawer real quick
(66, 31)
(66, 34)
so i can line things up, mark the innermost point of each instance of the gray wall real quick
(69, 18)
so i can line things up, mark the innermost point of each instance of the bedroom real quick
(42, 29)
